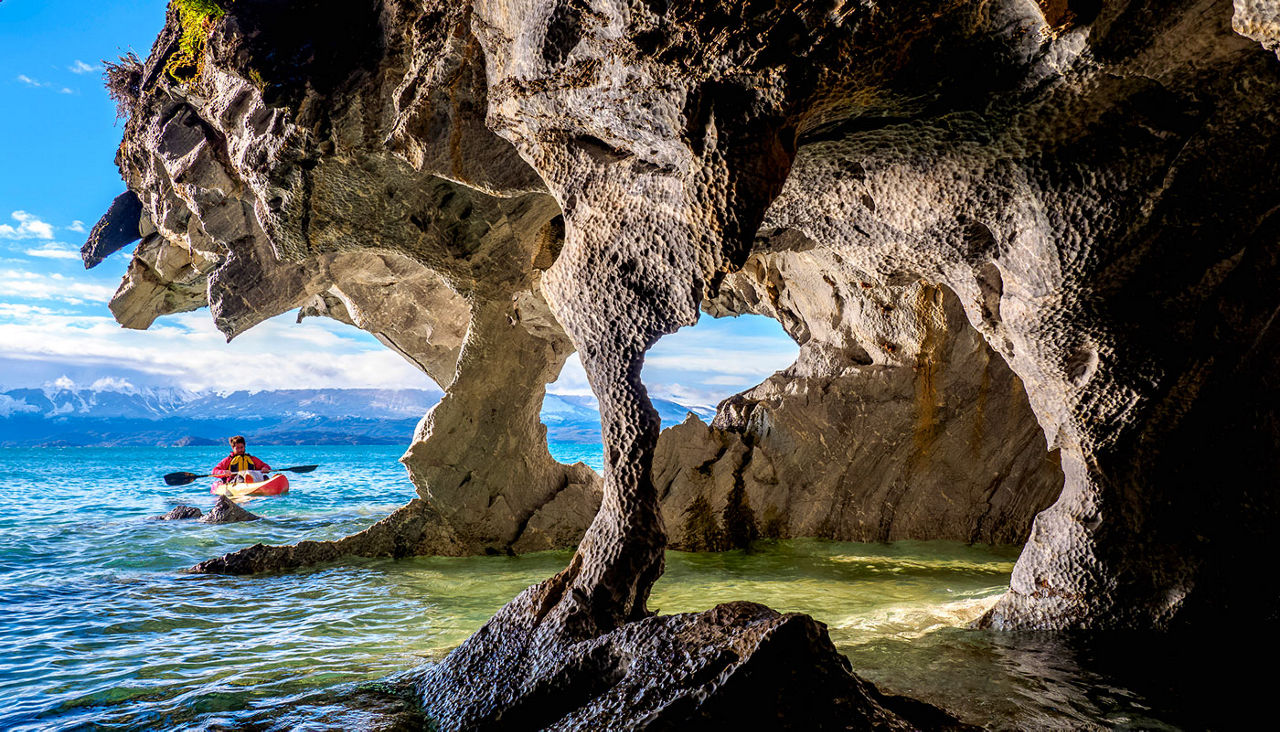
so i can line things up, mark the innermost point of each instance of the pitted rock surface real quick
(1259, 20)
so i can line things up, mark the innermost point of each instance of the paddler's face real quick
(238, 448)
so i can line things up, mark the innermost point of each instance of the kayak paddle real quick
(184, 478)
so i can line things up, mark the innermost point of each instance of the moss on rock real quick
(197, 17)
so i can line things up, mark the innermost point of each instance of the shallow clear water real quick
(99, 628)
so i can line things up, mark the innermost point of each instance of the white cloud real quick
(572, 381)
(691, 396)
(187, 351)
(41, 336)
(37, 84)
(16, 310)
(29, 227)
(739, 381)
(726, 361)
(80, 67)
(9, 405)
(53, 250)
(77, 226)
(25, 285)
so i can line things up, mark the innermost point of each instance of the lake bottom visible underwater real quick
(99, 628)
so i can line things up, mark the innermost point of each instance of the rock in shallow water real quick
(407, 532)
(179, 513)
(225, 511)
(738, 664)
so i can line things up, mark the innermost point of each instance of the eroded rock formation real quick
(1087, 180)
(1089, 183)
(1105, 225)
(381, 213)
(897, 421)
(256, 209)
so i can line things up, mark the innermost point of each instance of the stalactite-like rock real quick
(118, 228)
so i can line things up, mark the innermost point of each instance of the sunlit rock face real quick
(897, 421)
(1259, 20)
(1088, 186)
(256, 208)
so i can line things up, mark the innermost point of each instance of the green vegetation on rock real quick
(196, 17)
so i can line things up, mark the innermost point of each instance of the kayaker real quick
(240, 466)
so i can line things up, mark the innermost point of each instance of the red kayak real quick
(273, 486)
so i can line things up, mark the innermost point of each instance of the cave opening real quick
(894, 421)
(884, 480)
(704, 364)
(688, 372)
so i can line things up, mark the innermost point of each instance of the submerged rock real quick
(227, 511)
(179, 513)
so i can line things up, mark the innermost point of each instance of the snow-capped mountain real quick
(120, 414)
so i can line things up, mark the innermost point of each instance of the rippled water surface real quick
(99, 627)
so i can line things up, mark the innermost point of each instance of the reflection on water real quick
(98, 627)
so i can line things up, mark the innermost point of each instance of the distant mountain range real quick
(61, 417)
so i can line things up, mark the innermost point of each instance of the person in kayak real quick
(240, 466)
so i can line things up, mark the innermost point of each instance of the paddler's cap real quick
(238, 439)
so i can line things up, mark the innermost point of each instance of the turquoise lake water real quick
(100, 629)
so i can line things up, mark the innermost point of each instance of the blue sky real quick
(58, 136)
